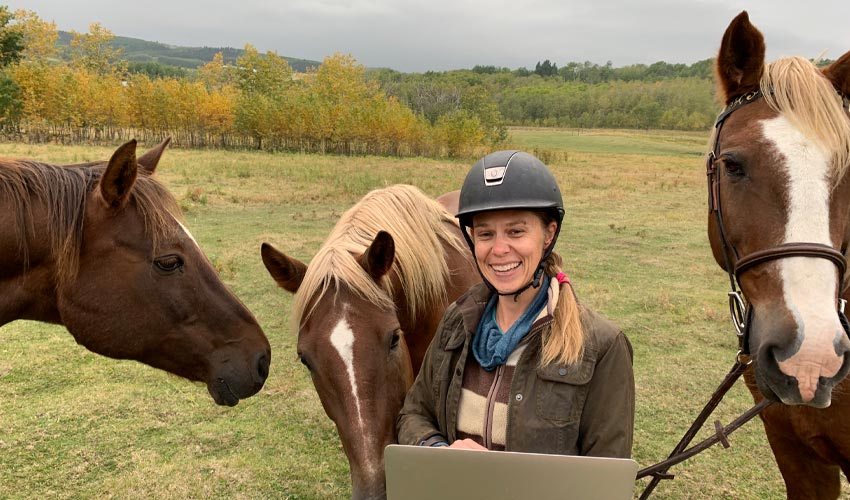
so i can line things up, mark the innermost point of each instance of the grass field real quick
(74, 425)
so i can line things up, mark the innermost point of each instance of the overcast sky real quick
(422, 35)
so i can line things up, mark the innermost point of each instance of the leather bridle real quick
(739, 309)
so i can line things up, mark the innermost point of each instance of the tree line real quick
(590, 96)
(89, 93)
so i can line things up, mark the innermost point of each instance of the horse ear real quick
(287, 271)
(117, 181)
(450, 201)
(740, 62)
(378, 258)
(150, 160)
(839, 74)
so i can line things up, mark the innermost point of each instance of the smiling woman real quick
(508, 246)
(517, 363)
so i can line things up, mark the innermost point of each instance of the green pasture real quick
(74, 425)
(628, 142)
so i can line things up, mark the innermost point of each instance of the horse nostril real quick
(263, 366)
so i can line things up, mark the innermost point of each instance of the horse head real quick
(780, 209)
(355, 350)
(142, 289)
(366, 309)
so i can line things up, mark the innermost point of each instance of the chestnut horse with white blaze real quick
(366, 309)
(779, 223)
(99, 248)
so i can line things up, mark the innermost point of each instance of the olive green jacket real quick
(581, 409)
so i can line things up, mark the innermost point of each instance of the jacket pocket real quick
(563, 389)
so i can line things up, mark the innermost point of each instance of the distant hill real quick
(143, 51)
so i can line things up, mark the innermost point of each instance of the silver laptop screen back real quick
(419, 473)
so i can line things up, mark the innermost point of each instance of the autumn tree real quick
(11, 39)
(11, 46)
(267, 74)
(214, 74)
(39, 37)
(338, 89)
(92, 51)
(262, 81)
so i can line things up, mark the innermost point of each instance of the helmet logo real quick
(494, 176)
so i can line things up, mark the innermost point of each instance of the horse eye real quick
(733, 167)
(304, 362)
(395, 338)
(168, 264)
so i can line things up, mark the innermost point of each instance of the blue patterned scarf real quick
(490, 345)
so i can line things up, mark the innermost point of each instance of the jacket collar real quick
(471, 306)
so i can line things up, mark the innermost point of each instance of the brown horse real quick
(779, 221)
(99, 248)
(366, 309)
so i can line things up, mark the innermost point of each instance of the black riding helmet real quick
(510, 180)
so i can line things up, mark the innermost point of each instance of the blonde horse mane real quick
(794, 87)
(418, 227)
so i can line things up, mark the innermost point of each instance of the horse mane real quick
(63, 191)
(418, 227)
(794, 87)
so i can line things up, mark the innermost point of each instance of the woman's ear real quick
(551, 228)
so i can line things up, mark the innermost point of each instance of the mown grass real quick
(76, 425)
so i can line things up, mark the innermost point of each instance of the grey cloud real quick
(419, 35)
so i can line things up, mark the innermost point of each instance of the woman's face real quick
(508, 246)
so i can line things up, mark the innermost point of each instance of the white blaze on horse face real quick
(342, 338)
(808, 283)
(186, 230)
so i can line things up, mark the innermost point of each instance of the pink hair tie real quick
(562, 278)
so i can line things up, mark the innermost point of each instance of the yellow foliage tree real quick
(93, 52)
(215, 74)
(39, 37)
(332, 108)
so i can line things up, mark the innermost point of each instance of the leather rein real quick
(740, 311)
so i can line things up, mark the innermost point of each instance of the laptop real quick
(425, 473)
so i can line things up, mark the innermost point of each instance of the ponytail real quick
(564, 341)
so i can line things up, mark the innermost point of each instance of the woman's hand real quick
(467, 444)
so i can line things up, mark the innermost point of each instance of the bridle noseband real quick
(741, 311)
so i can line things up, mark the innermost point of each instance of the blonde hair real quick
(564, 341)
(421, 229)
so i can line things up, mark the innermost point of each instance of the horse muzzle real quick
(803, 368)
(231, 383)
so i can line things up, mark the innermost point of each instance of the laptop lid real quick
(420, 473)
